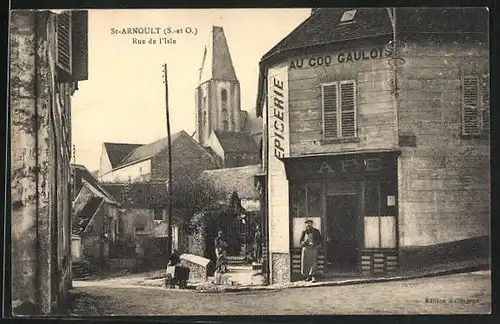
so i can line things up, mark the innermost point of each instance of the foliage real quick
(195, 197)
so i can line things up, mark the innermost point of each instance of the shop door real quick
(342, 244)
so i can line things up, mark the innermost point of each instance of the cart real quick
(176, 276)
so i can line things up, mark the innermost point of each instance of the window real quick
(204, 118)
(158, 214)
(225, 122)
(475, 106)
(379, 220)
(63, 41)
(306, 200)
(339, 110)
(348, 16)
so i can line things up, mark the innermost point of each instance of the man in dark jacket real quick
(310, 240)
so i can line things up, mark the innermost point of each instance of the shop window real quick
(475, 106)
(298, 200)
(314, 201)
(339, 110)
(379, 223)
(306, 200)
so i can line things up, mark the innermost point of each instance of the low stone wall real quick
(198, 267)
(118, 264)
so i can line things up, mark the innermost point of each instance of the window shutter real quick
(485, 102)
(63, 42)
(330, 121)
(470, 111)
(348, 109)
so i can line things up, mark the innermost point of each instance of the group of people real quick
(310, 241)
(221, 247)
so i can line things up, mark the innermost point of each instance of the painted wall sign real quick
(278, 101)
(342, 57)
(278, 147)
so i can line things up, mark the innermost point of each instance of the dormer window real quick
(348, 16)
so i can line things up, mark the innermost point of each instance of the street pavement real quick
(467, 293)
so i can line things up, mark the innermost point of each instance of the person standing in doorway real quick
(310, 240)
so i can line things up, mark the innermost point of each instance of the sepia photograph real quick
(279, 161)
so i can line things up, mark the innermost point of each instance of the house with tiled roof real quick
(145, 163)
(143, 212)
(139, 183)
(112, 154)
(95, 217)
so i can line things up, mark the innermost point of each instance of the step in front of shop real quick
(379, 262)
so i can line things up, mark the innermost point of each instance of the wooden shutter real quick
(485, 103)
(348, 109)
(470, 110)
(330, 129)
(63, 42)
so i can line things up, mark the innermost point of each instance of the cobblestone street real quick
(467, 293)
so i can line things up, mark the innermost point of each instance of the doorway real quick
(341, 234)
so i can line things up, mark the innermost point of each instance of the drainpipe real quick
(395, 47)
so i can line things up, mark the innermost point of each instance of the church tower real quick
(218, 103)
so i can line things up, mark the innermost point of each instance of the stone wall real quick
(40, 166)
(281, 271)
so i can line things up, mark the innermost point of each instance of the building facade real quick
(382, 142)
(48, 57)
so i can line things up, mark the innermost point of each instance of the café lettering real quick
(342, 57)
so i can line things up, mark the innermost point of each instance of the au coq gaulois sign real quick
(342, 57)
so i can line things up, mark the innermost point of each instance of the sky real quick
(123, 100)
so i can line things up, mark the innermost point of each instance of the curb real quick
(212, 288)
(437, 273)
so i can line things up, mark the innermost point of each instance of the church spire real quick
(217, 63)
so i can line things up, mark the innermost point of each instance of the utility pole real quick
(169, 180)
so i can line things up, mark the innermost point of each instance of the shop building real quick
(381, 138)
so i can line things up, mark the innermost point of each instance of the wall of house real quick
(444, 181)
(376, 114)
(189, 159)
(132, 218)
(104, 164)
(40, 152)
(137, 172)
